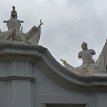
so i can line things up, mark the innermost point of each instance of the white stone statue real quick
(89, 66)
(14, 32)
(86, 54)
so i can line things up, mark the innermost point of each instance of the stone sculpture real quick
(86, 54)
(89, 66)
(15, 33)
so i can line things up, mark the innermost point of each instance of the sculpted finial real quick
(13, 12)
(86, 54)
(15, 31)
(13, 22)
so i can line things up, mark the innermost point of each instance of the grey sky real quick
(67, 23)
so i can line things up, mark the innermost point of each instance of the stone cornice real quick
(54, 71)
(71, 80)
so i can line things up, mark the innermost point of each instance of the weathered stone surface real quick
(15, 32)
(89, 66)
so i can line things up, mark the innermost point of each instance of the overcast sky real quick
(67, 23)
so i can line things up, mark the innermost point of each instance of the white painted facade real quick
(31, 77)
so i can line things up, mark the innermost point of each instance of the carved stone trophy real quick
(16, 34)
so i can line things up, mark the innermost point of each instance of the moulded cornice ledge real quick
(54, 70)
(71, 80)
(20, 49)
